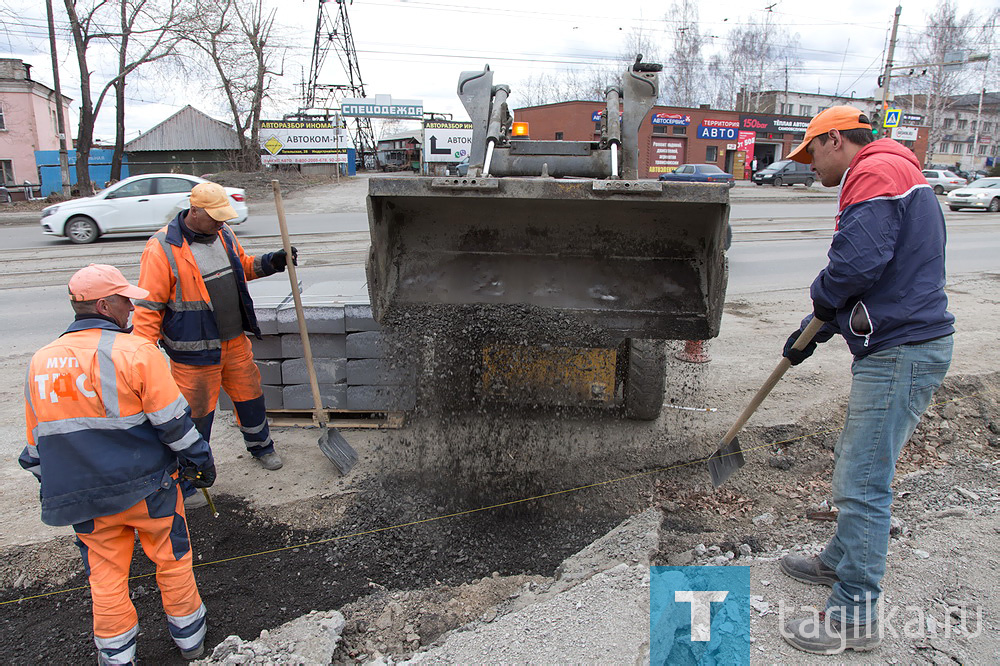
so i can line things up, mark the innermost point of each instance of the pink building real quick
(27, 122)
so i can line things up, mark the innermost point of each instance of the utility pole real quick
(60, 119)
(982, 92)
(887, 74)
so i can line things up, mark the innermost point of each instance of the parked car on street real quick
(983, 194)
(785, 172)
(133, 205)
(458, 168)
(943, 180)
(699, 173)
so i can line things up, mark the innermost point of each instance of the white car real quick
(983, 193)
(133, 205)
(943, 180)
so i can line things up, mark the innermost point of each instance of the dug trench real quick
(441, 574)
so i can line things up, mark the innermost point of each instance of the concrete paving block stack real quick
(355, 364)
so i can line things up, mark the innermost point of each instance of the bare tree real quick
(92, 22)
(751, 63)
(685, 70)
(238, 40)
(946, 34)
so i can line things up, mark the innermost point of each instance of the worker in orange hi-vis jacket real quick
(199, 310)
(109, 435)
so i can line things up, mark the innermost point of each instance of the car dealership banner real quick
(446, 141)
(722, 130)
(773, 124)
(671, 119)
(302, 142)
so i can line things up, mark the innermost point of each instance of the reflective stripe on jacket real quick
(106, 424)
(178, 311)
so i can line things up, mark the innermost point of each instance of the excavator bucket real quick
(634, 258)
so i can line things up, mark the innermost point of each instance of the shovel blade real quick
(338, 450)
(725, 461)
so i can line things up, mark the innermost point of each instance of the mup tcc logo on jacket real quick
(699, 615)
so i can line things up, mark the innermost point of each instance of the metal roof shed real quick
(190, 141)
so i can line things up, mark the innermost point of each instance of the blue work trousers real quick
(890, 390)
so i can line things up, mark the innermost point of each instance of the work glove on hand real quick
(796, 356)
(201, 478)
(279, 260)
(823, 313)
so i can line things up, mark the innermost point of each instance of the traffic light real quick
(876, 120)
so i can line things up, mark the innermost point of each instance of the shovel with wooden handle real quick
(729, 457)
(331, 442)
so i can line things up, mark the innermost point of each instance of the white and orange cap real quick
(213, 198)
(100, 281)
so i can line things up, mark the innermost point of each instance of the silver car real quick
(983, 194)
(943, 180)
(136, 204)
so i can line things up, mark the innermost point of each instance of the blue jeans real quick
(891, 389)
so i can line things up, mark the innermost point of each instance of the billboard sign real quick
(904, 133)
(446, 141)
(596, 116)
(383, 106)
(722, 130)
(671, 119)
(911, 119)
(665, 155)
(773, 124)
(302, 142)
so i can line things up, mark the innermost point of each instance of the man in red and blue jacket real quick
(883, 291)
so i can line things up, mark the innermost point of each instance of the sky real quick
(415, 49)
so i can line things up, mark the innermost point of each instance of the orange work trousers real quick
(106, 544)
(238, 375)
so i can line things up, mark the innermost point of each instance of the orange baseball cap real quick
(213, 198)
(100, 281)
(836, 117)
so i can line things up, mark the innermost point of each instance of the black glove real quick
(823, 313)
(279, 260)
(201, 478)
(796, 356)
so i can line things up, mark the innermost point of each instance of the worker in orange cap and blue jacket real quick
(109, 434)
(199, 309)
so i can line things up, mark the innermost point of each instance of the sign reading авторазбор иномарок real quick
(303, 142)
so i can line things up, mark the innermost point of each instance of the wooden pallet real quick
(338, 418)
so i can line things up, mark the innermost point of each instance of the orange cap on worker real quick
(100, 281)
(213, 199)
(835, 118)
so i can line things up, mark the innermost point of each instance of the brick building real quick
(671, 136)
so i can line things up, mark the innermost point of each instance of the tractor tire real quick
(645, 377)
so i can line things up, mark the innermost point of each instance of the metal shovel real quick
(331, 442)
(729, 456)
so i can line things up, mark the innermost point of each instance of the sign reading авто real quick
(302, 142)
(446, 140)
(383, 106)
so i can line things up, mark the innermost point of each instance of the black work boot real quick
(808, 569)
(820, 634)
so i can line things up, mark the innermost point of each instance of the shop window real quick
(679, 129)
(712, 154)
(7, 172)
(660, 129)
(559, 136)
